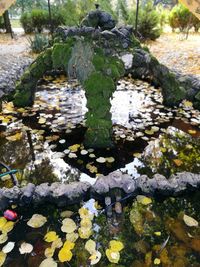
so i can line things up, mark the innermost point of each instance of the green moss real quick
(97, 83)
(23, 96)
(98, 62)
(61, 55)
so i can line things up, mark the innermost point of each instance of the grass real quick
(15, 23)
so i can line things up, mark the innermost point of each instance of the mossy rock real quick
(97, 83)
(93, 122)
(61, 55)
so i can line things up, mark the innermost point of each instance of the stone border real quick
(65, 194)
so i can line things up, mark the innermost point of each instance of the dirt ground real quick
(177, 53)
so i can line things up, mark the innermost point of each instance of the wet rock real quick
(42, 193)
(27, 193)
(114, 180)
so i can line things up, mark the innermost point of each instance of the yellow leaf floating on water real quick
(178, 162)
(65, 255)
(14, 137)
(3, 221)
(95, 257)
(66, 214)
(116, 245)
(74, 148)
(90, 246)
(157, 261)
(7, 227)
(189, 221)
(25, 248)
(84, 213)
(86, 223)
(84, 233)
(48, 263)
(68, 245)
(187, 104)
(2, 258)
(57, 243)
(68, 226)
(51, 236)
(72, 237)
(37, 221)
(192, 131)
(42, 120)
(113, 256)
(3, 238)
(49, 252)
(144, 200)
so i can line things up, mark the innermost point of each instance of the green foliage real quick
(39, 43)
(40, 19)
(26, 21)
(150, 21)
(37, 20)
(62, 54)
(182, 19)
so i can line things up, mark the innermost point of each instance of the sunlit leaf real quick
(68, 226)
(42, 120)
(157, 261)
(189, 221)
(2, 258)
(101, 160)
(178, 162)
(116, 245)
(51, 236)
(113, 256)
(84, 233)
(68, 245)
(8, 247)
(14, 137)
(192, 131)
(90, 246)
(144, 200)
(74, 148)
(49, 252)
(25, 248)
(57, 243)
(72, 237)
(3, 238)
(48, 263)
(65, 255)
(110, 160)
(95, 257)
(66, 214)
(37, 221)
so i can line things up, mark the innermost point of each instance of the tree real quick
(7, 22)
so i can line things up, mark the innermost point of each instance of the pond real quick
(143, 232)
(44, 143)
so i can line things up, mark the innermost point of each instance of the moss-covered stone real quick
(61, 55)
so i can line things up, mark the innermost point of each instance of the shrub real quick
(40, 19)
(38, 43)
(181, 18)
(26, 22)
(149, 22)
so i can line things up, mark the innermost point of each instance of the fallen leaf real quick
(25, 248)
(189, 221)
(178, 162)
(90, 246)
(68, 226)
(48, 263)
(8, 247)
(51, 236)
(37, 221)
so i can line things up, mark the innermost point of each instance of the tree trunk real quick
(7, 22)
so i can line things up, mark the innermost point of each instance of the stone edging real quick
(64, 194)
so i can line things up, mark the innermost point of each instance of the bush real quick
(149, 19)
(27, 23)
(181, 18)
(40, 19)
(149, 22)
(39, 43)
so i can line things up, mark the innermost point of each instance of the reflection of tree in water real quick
(173, 152)
(39, 173)
(15, 154)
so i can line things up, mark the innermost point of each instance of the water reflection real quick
(56, 121)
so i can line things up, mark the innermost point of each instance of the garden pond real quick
(45, 144)
(46, 141)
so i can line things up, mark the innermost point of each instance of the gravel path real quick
(181, 55)
(14, 58)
